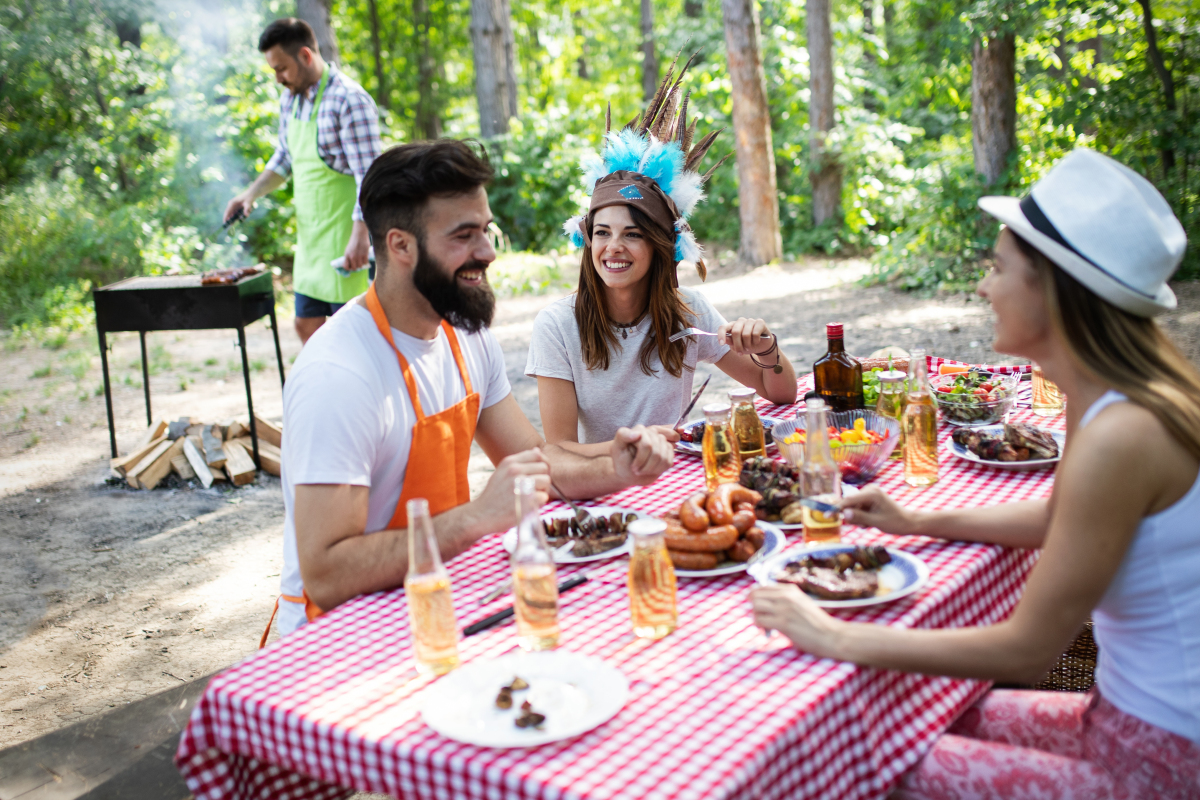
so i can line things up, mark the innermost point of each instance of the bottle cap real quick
(833, 330)
(742, 393)
(816, 404)
(894, 376)
(646, 526)
(714, 409)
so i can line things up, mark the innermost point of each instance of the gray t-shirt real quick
(622, 395)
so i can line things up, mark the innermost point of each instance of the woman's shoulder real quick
(697, 301)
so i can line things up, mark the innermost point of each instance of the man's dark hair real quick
(289, 33)
(401, 181)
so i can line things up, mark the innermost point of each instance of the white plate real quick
(904, 575)
(773, 542)
(694, 448)
(509, 540)
(1042, 463)
(574, 691)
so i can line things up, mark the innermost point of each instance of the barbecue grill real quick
(181, 302)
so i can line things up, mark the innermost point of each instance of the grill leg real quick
(146, 378)
(112, 431)
(249, 397)
(278, 352)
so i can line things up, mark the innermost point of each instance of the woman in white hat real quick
(1080, 269)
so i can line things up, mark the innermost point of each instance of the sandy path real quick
(108, 595)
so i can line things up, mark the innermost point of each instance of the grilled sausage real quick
(744, 520)
(720, 502)
(742, 550)
(694, 560)
(715, 539)
(756, 537)
(692, 513)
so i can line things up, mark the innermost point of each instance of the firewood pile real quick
(207, 452)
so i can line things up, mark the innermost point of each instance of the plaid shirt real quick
(347, 128)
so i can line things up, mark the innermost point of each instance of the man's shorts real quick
(312, 307)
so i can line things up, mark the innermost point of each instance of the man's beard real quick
(469, 308)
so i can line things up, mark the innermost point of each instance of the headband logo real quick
(631, 192)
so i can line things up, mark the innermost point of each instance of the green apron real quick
(325, 201)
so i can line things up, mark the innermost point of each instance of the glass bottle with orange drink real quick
(919, 426)
(534, 576)
(722, 458)
(1048, 399)
(820, 477)
(427, 592)
(651, 580)
(747, 427)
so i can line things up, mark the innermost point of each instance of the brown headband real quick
(624, 188)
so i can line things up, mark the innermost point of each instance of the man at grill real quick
(328, 137)
(383, 404)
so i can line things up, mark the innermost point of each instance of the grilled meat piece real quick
(968, 438)
(1039, 443)
(830, 584)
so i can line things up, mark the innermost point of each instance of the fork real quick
(697, 332)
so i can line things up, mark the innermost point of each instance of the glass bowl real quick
(970, 410)
(859, 463)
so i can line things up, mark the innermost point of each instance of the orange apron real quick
(441, 447)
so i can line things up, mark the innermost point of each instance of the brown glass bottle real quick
(837, 375)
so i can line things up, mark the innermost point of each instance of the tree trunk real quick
(825, 172)
(649, 59)
(993, 104)
(381, 88)
(317, 14)
(757, 194)
(581, 63)
(427, 122)
(693, 9)
(1164, 75)
(889, 28)
(495, 68)
(870, 59)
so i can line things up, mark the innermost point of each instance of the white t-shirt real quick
(621, 395)
(348, 418)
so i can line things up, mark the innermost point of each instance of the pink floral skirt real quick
(1028, 745)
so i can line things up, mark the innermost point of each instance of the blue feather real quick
(662, 162)
(624, 150)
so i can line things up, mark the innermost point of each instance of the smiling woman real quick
(604, 357)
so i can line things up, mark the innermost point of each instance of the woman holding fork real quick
(604, 357)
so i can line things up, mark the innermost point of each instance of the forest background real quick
(126, 125)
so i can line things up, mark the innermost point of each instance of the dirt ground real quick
(108, 594)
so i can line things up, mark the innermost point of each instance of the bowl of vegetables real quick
(975, 397)
(860, 441)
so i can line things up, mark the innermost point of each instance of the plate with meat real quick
(1017, 446)
(846, 575)
(601, 535)
(693, 437)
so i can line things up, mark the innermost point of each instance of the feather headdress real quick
(656, 145)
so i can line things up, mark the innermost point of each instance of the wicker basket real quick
(1075, 670)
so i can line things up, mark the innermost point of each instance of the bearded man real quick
(383, 403)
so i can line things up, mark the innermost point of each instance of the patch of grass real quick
(129, 380)
(258, 365)
(160, 359)
(67, 420)
(43, 410)
(55, 339)
(183, 384)
(24, 413)
(42, 372)
(78, 363)
(213, 374)
(211, 362)
(48, 390)
(32, 440)
(99, 390)
(232, 366)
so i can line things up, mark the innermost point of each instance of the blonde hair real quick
(1130, 353)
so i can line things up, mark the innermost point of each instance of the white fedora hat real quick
(1107, 226)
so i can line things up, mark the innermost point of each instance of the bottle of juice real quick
(722, 459)
(920, 426)
(427, 591)
(893, 399)
(651, 581)
(535, 579)
(747, 427)
(838, 376)
(820, 478)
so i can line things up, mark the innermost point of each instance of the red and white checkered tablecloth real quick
(716, 710)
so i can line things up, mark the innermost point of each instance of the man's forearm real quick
(264, 184)
(583, 476)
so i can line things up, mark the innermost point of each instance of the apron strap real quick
(321, 84)
(458, 356)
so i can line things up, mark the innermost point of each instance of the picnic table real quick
(716, 710)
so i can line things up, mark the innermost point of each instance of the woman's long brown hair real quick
(1130, 353)
(668, 312)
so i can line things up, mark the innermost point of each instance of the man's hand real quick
(496, 507)
(667, 432)
(640, 455)
(358, 248)
(244, 203)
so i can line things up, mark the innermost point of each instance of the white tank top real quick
(1147, 625)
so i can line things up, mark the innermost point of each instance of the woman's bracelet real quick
(776, 367)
